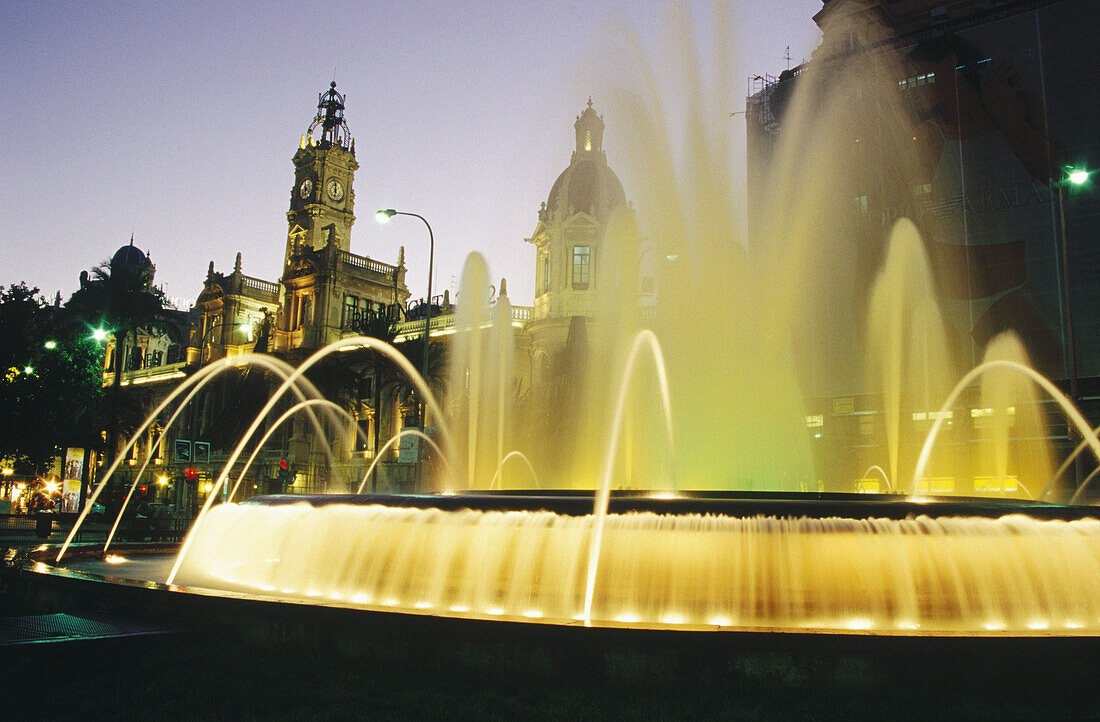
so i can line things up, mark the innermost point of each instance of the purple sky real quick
(177, 122)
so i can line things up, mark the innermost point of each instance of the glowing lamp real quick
(384, 216)
(28, 370)
(99, 334)
(51, 344)
(1078, 176)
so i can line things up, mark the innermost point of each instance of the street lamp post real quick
(384, 216)
(1077, 176)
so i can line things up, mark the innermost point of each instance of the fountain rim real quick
(477, 625)
(814, 505)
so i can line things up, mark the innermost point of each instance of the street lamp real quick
(1078, 177)
(245, 328)
(384, 216)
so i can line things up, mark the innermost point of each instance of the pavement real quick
(63, 627)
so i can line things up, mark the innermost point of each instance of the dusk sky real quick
(176, 122)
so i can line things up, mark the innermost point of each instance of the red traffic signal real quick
(283, 464)
(190, 472)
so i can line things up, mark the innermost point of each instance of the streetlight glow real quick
(51, 344)
(1077, 176)
(384, 216)
(99, 334)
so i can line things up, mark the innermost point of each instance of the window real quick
(588, 140)
(861, 205)
(582, 267)
(349, 311)
(915, 80)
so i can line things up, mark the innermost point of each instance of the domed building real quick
(568, 237)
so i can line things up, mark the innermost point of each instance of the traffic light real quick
(286, 473)
(191, 473)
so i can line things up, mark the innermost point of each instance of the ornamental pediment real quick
(581, 219)
(211, 292)
(301, 267)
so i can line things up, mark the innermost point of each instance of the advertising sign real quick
(70, 480)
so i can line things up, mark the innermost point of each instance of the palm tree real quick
(118, 295)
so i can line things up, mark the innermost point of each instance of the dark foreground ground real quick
(284, 670)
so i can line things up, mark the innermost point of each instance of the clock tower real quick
(322, 200)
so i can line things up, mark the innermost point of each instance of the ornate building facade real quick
(327, 292)
(572, 265)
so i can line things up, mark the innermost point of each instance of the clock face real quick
(306, 188)
(335, 189)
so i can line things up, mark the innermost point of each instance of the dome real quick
(129, 261)
(130, 255)
(587, 186)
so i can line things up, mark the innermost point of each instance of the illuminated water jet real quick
(921, 574)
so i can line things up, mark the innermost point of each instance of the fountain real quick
(670, 488)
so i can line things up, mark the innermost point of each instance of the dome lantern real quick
(589, 128)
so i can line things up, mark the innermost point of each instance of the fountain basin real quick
(827, 565)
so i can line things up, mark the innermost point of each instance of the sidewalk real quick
(21, 529)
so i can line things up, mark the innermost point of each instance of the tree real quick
(118, 296)
(48, 390)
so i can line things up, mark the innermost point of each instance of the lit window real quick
(933, 415)
(588, 140)
(915, 80)
(582, 266)
(815, 420)
(867, 426)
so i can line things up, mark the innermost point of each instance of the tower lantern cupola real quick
(589, 127)
(330, 118)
